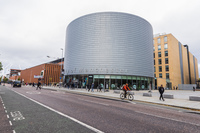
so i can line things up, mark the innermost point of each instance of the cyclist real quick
(125, 88)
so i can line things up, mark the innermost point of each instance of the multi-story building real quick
(173, 63)
(109, 49)
(15, 72)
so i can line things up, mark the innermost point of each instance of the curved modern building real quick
(109, 49)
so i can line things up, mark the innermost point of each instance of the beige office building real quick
(173, 63)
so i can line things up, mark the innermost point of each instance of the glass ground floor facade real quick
(109, 81)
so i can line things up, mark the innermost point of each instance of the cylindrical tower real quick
(109, 43)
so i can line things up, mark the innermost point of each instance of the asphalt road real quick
(53, 111)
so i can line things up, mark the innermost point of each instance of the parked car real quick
(16, 84)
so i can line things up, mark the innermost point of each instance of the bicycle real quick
(129, 96)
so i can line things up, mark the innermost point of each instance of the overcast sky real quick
(32, 29)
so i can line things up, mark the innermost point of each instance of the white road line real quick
(58, 92)
(14, 131)
(132, 102)
(4, 107)
(6, 111)
(33, 92)
(94, 102)
(1, 99)
(10, 123)
(167, 118)
(75, 120)
(8, 116)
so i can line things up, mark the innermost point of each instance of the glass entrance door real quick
(107, 84)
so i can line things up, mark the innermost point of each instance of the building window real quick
(167, 68)
(154, 75)
(167, 75)
(166, 61)
(165, 39)
(159, 61)
(154, 69)
(153, 55)
(159, 47)
(154, 62)
(166, 46)
(153, 48)
(160, 75)
(160, 68)
(166, 53)
(158, 40)
(159, 54)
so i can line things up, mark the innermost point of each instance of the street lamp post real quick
(61, 67)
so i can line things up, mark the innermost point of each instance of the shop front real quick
(109, 81)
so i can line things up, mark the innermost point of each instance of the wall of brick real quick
(51, 73)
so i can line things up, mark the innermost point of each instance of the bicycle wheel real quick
(122, 96)
(130, 97)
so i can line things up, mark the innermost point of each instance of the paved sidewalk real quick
(181, 97)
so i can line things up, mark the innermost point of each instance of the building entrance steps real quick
(181, 97)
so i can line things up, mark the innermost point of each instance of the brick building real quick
(15, 74)
(49, 73)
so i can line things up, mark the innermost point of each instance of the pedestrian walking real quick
(161, 91)
(92, 87)
(38, 85)
(100, 87)
(193, 88)
(89, 87)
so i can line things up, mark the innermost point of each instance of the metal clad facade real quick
(109, 43)
(181, 63)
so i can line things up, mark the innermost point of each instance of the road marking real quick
(33, 92)
(1, 99)
(10, 123)
(94, 102)
(17, 115)
(73, 119)
(132, 102)
(58, 92)
(6, 111)
(168, 118)
(14, 131)
(8, 116)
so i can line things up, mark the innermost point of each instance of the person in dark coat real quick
(161, 91)
(193, 88)
(88, 87)
(38, 85)
(92, 87)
